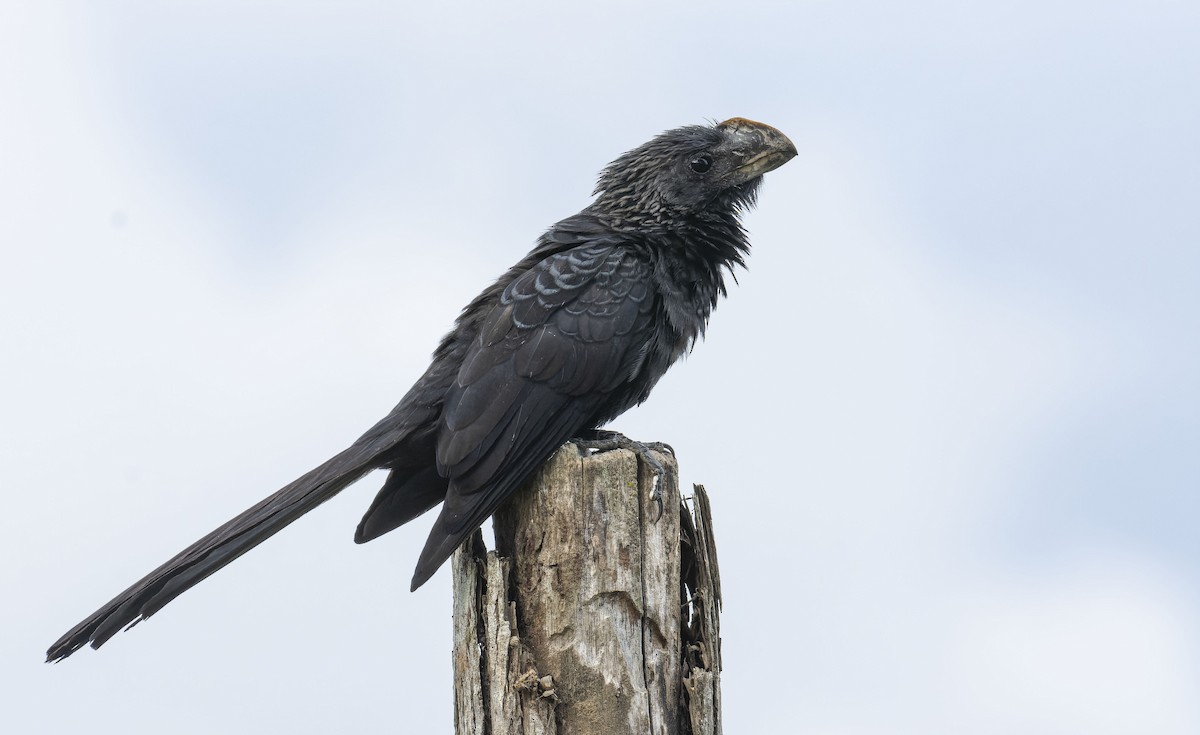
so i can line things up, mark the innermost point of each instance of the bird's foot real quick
(602, 440)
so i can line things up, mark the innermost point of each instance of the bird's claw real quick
(600, 440)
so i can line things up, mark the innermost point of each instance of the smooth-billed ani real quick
(570, 337)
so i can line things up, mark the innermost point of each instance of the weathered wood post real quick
(595, 615)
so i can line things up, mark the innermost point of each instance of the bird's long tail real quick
(218, 548)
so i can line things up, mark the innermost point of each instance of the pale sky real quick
(949, 418)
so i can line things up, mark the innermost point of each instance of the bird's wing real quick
(548, 359)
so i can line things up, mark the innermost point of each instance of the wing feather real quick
(563, 338)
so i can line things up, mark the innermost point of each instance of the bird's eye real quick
(701, 164)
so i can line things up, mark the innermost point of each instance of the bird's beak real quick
(765, 148)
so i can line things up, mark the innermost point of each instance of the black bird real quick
(570, 337)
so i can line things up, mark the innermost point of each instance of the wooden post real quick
(594, 614)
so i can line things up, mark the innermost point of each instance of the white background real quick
(949, 418)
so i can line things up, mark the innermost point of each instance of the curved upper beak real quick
(765, 148)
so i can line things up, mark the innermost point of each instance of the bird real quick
(574, 334)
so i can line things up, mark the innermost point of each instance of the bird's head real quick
(693, 170)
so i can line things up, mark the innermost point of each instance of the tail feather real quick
(217, 549)
(405, 495)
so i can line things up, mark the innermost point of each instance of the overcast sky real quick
(950, 418)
